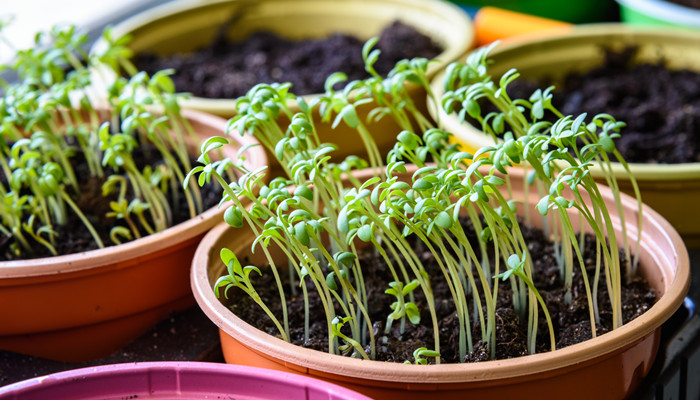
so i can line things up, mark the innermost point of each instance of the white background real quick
(31, 16)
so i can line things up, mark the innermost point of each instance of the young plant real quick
(55, 121)
(323, 217)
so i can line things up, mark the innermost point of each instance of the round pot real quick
(184, 26)
(658, 12)
(86, 305)
(181, 380)
(615, 361)
(670, 189)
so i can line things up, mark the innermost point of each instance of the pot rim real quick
(459, 42)
(641, 171)
(182, 232)
(166, 376)
(577, 356)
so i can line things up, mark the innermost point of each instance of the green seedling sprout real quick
(421, 355)
(402, 309)
(50, 123)
(320, 215)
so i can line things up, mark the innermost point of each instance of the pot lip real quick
(460, 41)
(575, 356)
(641, 171)
(128, 377)
(664, 11)
(111, 255)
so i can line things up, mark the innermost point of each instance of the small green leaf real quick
(514, 261)
(399, 185)
(543, 205)
(304, 192)
(301, 234)
(422, 184)
(234, 217)
(365, 233)
(413, 313)
(473, 108)
(444, 220)
(349, 116)
(343, 225)
(330, 281)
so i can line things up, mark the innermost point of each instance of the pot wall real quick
(616, 361)
(84, 306)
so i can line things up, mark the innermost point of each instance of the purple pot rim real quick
(175, 374)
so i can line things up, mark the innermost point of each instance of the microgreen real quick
(421, 354)
(54, 118)
(321, 215)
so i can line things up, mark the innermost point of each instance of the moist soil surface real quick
(661, 107)
(571, 321)
(226, 69)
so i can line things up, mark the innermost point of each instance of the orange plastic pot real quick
(84, 306)
(671, 189)
(185, 26)
(608, 367)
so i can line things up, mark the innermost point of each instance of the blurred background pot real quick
(658, 12)
(569, 11)
(616, 361)
(181, 380)
(83, 306)
(671, 189)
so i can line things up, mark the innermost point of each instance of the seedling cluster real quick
(55, 120)
(321, 215)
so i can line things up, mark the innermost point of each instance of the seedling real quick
(320, 215)
(52, 123)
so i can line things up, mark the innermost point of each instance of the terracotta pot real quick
(84, 306)
(671, 189)
(191, 380)
(607, 367)
(184, 26)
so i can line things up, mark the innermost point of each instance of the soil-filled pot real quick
(181, 380)
(185, 26)
(658, 12)
(86, 305)
(670, 189)
(607, 367)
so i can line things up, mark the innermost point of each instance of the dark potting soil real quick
(74, 236)
(687, 3)
(571, 321)
(661, 107)
(184, 336)
(228, 70)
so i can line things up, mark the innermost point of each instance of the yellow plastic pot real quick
(184, 26)
(671, 189)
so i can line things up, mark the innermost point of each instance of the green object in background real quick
(574, 11)
(658, 12)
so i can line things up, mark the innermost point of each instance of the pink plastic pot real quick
(175, 380)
